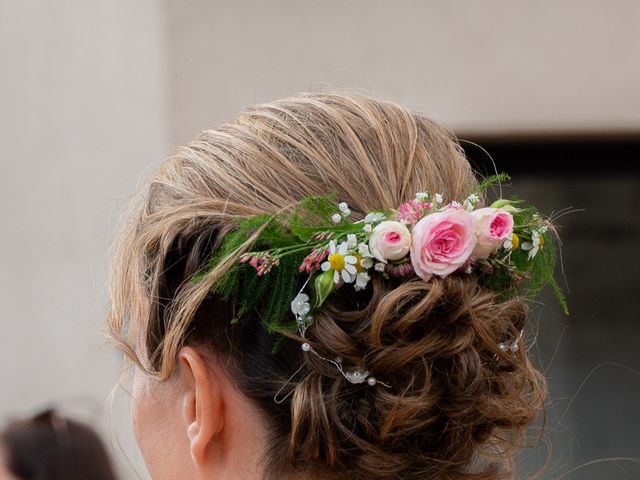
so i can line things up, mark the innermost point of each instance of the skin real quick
(196, 425)
(5, 474)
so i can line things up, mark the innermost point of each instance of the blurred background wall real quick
(96, 93)
(83, 114)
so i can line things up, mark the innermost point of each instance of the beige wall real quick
(505, 67)
(95, 92)
(82, 116)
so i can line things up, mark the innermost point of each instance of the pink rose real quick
(390, 240)
(492, 226)
(442, 242)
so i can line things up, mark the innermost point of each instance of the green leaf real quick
(507, 205)
(323, 286)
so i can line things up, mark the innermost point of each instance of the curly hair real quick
(460, 405)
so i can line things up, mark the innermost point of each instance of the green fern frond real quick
(492, 180)
(315, 210)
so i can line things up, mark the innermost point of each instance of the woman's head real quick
(453, 411)
(49, 446)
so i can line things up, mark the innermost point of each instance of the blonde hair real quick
(455, 415)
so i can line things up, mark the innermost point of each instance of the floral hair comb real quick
(510, 246)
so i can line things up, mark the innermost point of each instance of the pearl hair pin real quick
(358, 375)
(509, 346)
(300, 307)
(504, 346)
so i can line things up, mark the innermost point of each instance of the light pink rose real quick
(390, 240)
(492, 226)
(442, 242)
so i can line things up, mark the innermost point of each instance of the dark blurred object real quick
(555, 155)
(49, 446)
(592, 425)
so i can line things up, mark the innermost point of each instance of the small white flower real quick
(468, 269)
(374, 217)
(379, 266)
(344, 209)
(362, 279)
(438, 198)
(363, 250)
(422, 196)
(455, 204)
(342, 264)
(470, 202)
(367, 227)
(336, 218)
(352, 241)
(366, 262)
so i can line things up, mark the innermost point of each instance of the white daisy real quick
(508, 243)
(534, 245)
(512, 242)
(343, 265)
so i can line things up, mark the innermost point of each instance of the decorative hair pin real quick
(508, 245)
(301, 308)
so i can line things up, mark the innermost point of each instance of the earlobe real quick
(203, 403)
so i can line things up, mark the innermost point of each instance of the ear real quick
(202, 405)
